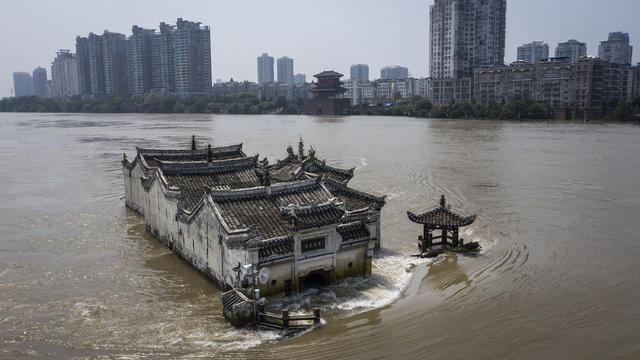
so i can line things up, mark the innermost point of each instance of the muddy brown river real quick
(558, 207)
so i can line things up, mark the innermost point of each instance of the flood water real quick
(558, 208)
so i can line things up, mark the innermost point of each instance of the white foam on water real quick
(232, 340)
(390, 276)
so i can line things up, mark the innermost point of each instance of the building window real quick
(312, 244)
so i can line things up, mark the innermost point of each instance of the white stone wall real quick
(204, 242)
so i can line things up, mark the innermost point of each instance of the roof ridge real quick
(259, 191)
(345, 187)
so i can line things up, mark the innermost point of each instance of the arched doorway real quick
(314, 279)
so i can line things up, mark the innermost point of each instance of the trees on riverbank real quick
(515, 109)
(220, 104)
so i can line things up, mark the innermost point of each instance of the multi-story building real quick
(102, 64)
(91, 69)
(572, 50)
(360, 72)
(192, 58)
(588, 83)
(617, 49)
(425, 87)
(64, 75)
(23, 84)
(464, 34)
(359, 91)
(83, 54)
(384, 90)
(285, 70)
(40, 81)
(115, 63)
(551, 81)
(533, 52)
(599, 81)
(139, 56)
(235, 87)
(265, 69)
(299, 79)
(636, 81)
(162, 69)
(394, 72)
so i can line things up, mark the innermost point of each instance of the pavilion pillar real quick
(427, 238)
(455, 238)
(444, 236)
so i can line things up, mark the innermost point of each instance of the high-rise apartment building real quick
(573, 50)
(285, 70)
(64, 75)
(533, 52)
(115, 63)
(299, 79)
(464, 34)
(163, 77)
(360, 72)
(394, 72)
(83, 50)
(40, 81)
(265, 69)
(617, 49)
(22, 84)
(176, 61)
(139, 57)
(102, 64)
(191, 43)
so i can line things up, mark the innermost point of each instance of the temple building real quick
(327, 95)
(217, 208)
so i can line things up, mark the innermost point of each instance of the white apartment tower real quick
(572, 50)
(464, 34)
(285, 70)
(533, 52)
(64, 75)
(265, 69)
(617, 49)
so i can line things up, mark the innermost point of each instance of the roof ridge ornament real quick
(301, 149)
(193, 143)
(443, 203)
(209, 154)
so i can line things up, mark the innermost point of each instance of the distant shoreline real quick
(518, 108)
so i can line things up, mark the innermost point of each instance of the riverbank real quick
(518, 108)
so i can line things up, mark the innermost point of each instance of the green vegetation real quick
(517, 108)
(220, 104)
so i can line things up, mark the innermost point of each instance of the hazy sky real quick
(318, 35)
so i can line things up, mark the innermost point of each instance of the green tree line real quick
(244, 103)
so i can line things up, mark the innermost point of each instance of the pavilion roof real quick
(441, 217)
(329, 73)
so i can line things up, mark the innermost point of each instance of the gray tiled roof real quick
(441, 217)
(152, 156)
(353, 232)
(194, 178)
(257, 208)
(354, 199)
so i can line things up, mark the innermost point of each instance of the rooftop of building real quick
(296, 193)
(328, 73)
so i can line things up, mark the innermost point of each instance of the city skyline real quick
(588, 24)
